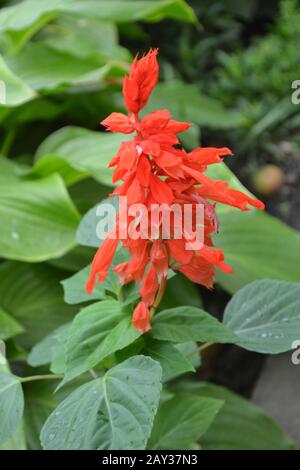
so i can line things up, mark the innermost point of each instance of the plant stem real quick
(159, 295)
(204, 346)
(41, 377)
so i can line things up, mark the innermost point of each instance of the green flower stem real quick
(41, 377)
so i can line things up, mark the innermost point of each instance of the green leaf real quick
(115, 412)
(44, 309)
(16, 441)
(16, 91)
(240, 425)
(38, 219)
(9, 327)
(172, 361)
(182, 420)
(265, 315)
(193, 106)
(21, 16)
(41, 67)
(96, 332)
(257, 246)
(183, 324)
(87, 231)
(11, 405)
(86, 151)
(74, 288)
(42, 353)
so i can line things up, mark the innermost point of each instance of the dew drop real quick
(15, 235)
(51, 436)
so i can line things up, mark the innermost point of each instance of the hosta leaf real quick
(44, 309)
(9, 327)
(240, 424)
(11, 405)
(86, 151)
(16, 91)
(265, 315)
(41, 67)
(96, 332)
(181, 324)
(171, 359)
(182, 420)
(21, 16)
(115, 412)
(38, 219)
(193, 106)
(257, 246)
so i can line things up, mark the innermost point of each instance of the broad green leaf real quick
(52, 164)
(16, 91)
(86, 151)
(257, 246)
(11, 405)
(96, 332)
(44, 308)
(21, 16)
(193, 106)
(172, 361)
(42, 353)
(25, 13)
(38, 219)
(41, 67)
(16, 441)
(87, 233)
(181, 324)
(181, 421)
(240, 424)
(9, 327)
(10, 170)
(85, 36)
(133, 10)
(265, 315)
(115, 412)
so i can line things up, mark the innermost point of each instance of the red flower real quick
(153, 170)
(141, 318)
(142, 79)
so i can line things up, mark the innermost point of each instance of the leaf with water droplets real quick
(11, 405)
(115, 412)
(265, 315)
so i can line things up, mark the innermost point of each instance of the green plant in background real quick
(62, 65)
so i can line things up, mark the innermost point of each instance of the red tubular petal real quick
(119, 122)
(141, 318)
